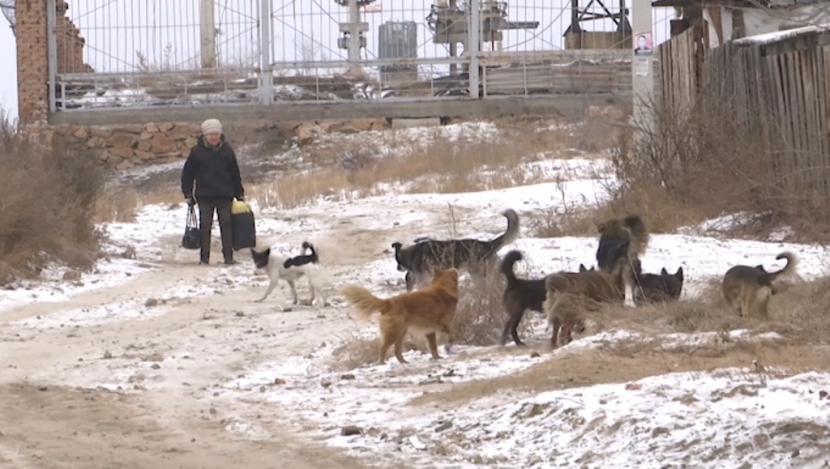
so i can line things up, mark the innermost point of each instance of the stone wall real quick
(126, 146)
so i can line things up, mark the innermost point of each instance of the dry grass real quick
(47, 203)
(701, 162)
(357, 352)
(480, 317)
(441, 166)
(800, 312)
(120, 204)
(117, 206)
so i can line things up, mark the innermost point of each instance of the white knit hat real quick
(211, 125)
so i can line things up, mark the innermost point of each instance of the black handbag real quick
(192, 238)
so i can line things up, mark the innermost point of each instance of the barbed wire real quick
(7, 7)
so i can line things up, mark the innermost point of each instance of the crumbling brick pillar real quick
(32, 61)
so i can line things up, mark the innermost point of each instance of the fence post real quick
(474, 44)
(207, 33)
(266, 74)
(52, 51)
(642, 63)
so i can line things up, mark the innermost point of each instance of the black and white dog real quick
(291, 269)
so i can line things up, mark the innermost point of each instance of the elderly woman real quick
(213, 167)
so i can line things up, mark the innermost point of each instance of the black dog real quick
(519, 295)
(654, 288)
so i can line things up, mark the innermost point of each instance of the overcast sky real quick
(8, 77)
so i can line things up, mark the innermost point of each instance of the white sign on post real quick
(373, 8)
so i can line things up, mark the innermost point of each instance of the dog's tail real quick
(792, 263)
(507, 267)
(509, 235)
(364, 302)
(314, 258)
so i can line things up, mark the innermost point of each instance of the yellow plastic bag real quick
(239, 206)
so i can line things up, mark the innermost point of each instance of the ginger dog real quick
(427, 311)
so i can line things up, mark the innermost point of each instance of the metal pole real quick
(52, 51)
(266, 74)
(207, 32)
(474, 45)
(354, 36)
(453, 46)
(642, 62)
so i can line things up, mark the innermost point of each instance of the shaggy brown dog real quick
(748, 289)
(427, 311)
(621, 243)
(569, 294)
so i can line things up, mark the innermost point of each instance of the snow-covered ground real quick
(735, 417)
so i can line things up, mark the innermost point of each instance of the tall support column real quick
(52, 50)
(474, 45)
(642, 62)
(354, 37)
(266, 74)
(207, 33)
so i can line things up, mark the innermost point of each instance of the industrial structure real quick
(398, 41)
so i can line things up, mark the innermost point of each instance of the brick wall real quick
(70, 43)
(32, 61)
(33, 56)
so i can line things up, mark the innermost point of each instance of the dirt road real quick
(51, 418)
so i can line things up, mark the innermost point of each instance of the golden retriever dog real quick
(427, 311)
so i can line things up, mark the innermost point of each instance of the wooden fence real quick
(680, 63)
(778, 91)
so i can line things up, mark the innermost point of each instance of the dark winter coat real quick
(213, 169)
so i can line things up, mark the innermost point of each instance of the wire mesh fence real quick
(113, 53)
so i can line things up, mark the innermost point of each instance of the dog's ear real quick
(679, 273)
(664, 272)
(601, 227)
(582, 268)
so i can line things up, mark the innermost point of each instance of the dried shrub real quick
(47, 204)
